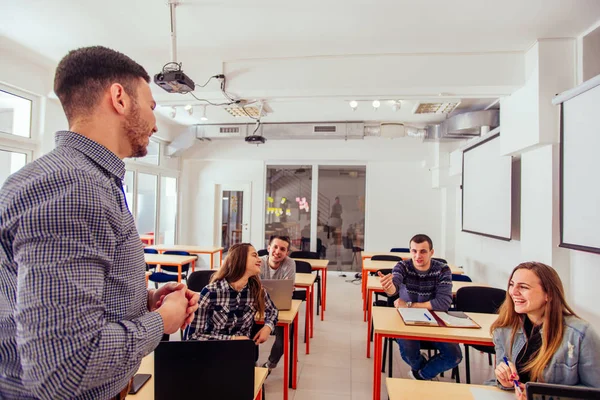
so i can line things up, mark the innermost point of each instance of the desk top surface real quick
(287, 316)
(374, 284)
(408, 389)
(165, 259)
(186, 247)
(387, 320)
(370, 265)
(305, 279)
(320, 264)
(147, 367)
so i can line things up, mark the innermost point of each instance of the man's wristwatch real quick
(409, 304)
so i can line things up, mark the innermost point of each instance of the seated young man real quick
(423, 283)
(277, 265)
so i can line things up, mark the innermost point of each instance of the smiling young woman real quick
(541, 335)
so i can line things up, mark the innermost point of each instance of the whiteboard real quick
(580, 171)
(487, 190)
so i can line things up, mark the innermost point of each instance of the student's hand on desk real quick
(399, 303)
(262, 335)
(506, 374)
(386, 282)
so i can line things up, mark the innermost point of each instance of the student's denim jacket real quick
(574, 363)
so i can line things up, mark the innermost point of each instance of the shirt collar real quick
(93, 150)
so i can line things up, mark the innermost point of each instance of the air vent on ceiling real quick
(435, 108)
(324, 129)
(229, 129)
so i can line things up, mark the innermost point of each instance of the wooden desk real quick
(387, 322)
(374, 286)
(285, 319)
(169, 260)
(319, 265)
(192, 249)
(408, 389)
(372, 266)
(147, 391)
(307, 281)
(147, 239)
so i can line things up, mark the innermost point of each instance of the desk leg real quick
(193, 265)
(179, 273)
(295, 353)
(286, 359)
(377, 367)
(307, 326)
(212, 261)
(369, 303)
(220, 258)
(324, 293)
(364, 290)
(312, 311)
(362, 268)
(259, 394)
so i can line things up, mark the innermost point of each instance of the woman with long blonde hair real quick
(234, 296)
(539, 338)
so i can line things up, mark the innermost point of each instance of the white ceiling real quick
(212, 32)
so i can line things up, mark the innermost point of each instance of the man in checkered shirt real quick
(76, 317)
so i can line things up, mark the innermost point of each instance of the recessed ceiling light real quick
(376, 104)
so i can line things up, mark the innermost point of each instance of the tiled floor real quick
(337, 367)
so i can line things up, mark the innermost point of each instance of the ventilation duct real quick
(464, 126)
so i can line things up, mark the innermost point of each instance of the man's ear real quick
(432, 251)
(118, 98)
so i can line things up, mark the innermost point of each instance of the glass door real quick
(235, 215)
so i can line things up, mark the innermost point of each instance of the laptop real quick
(204, 369)
(280, 291)
(546, 391)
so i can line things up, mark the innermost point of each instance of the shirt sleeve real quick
(398, 275)
(290, 272)
(68, 341)
(443, 291)
(500, 354)
(271, 312)
(201, 326)
(588, 369)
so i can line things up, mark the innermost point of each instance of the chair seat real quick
(162, 277)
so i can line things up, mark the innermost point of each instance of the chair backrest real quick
(199, 279)
(304, 254)
(384, 257)
(461, 278)
(184, 267)
(150, 251)
(480, 299)
(302, 267)
(440, 260)
(263, 252)
(400, 250)
(305, 244)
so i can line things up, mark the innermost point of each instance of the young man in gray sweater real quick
(277, 265)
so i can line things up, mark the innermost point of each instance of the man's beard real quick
(137, 132)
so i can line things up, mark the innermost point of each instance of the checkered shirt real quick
(223, 312)
(74, 321)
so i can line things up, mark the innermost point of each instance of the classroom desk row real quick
(387, 323)
(374, 286)
(321, 267)
(147, 391)
(210, 250)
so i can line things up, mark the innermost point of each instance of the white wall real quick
(400, 201)
(591, 54)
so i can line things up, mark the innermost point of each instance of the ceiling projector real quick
(255, 139)
(174, 81)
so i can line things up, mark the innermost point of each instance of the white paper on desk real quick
(450, 320)
(417, 315)
(491, 394)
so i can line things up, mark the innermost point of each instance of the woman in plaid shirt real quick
(228, 304)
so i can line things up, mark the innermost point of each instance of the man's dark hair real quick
(283, 238)
(84, 74)
(420, 238)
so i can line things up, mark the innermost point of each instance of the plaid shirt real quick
(224, 312)
(74, 320)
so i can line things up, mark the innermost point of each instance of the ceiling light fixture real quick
(203, 117)
(187, 107)
(173, 112)
(396, 105)
(376, 104)
(353, 105)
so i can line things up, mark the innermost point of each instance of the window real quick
(168, 210)
(146, 203)
(153, 155)
(15, 114)
(10, 162)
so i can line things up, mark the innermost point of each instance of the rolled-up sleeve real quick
(66, 338)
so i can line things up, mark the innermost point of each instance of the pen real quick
(427, 316)
(515, 382)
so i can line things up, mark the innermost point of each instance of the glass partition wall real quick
(339, 204)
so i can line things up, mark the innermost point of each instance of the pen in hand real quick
(515, 382)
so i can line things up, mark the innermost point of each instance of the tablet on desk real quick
(138, 381)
